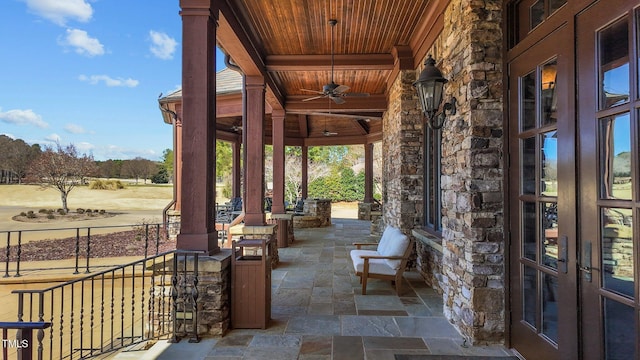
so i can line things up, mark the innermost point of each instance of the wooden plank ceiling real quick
(292, 40)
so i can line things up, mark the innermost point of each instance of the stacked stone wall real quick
(470, 268)
(472, 171)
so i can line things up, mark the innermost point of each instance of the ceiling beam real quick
(354, 115)
(373, 103)
(362, 126)
(427, 32)
(234, 39)
(323, 62)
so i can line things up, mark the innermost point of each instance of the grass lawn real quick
(134, 197)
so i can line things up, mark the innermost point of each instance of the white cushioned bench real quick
(387, 262)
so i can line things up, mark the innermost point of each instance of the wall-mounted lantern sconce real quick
(430, 85)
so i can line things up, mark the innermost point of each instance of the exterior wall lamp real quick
(430, 85)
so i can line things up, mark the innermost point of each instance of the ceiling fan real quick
(332, 90)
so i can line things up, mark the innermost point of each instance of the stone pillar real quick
(277, 117)
(197, 228)
(253, 199)
(305, 172)
(236, 170)
(472, 171)
(403, 162)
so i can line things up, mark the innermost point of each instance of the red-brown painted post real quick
(305, 172)
(197, 228)
(254, 148)
(236, 169)
(277, 118)
(368, 173)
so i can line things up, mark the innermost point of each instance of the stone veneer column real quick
(402, 149)
(472, 171)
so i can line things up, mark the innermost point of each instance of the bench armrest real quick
(367, 257)
(358, 245)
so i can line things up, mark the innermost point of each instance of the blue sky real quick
(89, 73)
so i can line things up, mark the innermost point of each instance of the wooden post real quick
(254, 150)
(197, 228)
(277, 118)
(368, 173)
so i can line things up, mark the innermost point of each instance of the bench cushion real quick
(393, 243)
(376, 266)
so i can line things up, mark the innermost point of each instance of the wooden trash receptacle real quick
(250, 284)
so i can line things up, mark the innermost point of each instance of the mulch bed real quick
(122, 243)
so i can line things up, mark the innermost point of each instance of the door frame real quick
(568, 334)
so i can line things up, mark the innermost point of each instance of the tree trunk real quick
(63, 196)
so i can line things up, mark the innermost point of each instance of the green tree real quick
(167, 160)
(224, 158)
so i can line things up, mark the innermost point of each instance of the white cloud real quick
(162, 45)
(83, 43)
(54, 138)
(60, 11)
(84, 147)
(75, 129)
(118, 152)
(109, 81)
(22, 117)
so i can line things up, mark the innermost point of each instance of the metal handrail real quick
(83, 242)
(116, 308)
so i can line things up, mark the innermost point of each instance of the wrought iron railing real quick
(152, 298)
(85, 239)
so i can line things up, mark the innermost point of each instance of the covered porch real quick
(318, 313)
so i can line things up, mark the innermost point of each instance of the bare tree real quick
(63, 169)
(139, 168)
(293, 175)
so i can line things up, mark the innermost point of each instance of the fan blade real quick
(313, 91)
(313, 98)
(340, 89)
(356, 94)
(338, 100)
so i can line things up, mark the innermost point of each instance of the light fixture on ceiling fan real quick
(332, 90)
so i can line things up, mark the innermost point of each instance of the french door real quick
(542, 227)
(608, 112)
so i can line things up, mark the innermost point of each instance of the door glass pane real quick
(613, 47)
(555, 5)
(529, 226)
(536, 13)
(529, 295)
(549, 167)
(615, 157)
(529, 165)
(619, 331)
(550, 234)
(528, 101)
(548, 94)
(617, 250)
(550, 306)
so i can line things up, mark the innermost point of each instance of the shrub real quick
(106, 185)
(80, 210)
(31, 215)
(50, 211)
(102, 212)
(30, 212)
(89, 211)
(23, 214)
(42, 211)
(62, 212)
(50, 216)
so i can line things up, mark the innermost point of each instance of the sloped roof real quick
(227, 82)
